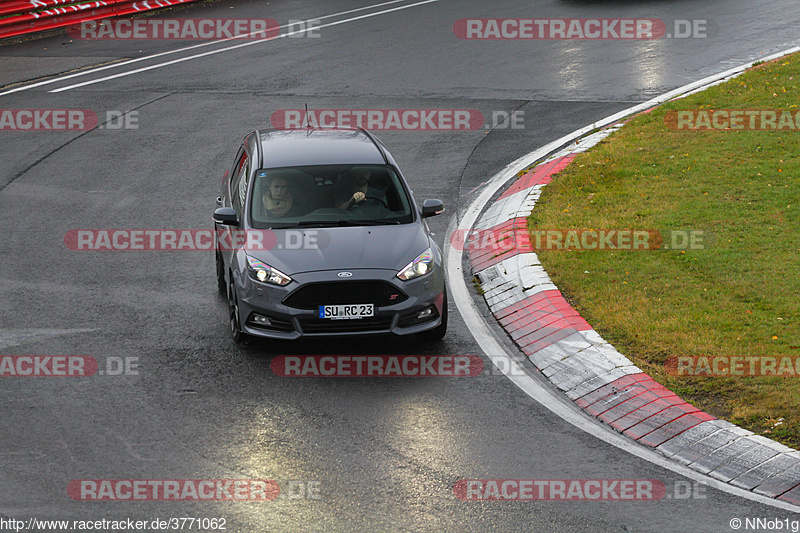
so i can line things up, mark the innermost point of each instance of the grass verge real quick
(740, 295)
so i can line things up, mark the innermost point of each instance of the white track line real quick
(504, 361)
(249, 43)
(193, 47)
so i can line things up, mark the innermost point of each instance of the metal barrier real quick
(33, 16)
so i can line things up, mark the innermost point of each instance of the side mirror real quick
(432, 208)
(226, 216)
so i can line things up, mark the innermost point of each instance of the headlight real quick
(264, 273)
(418, 267)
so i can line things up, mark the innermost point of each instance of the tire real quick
(437, 333)
(238, 336)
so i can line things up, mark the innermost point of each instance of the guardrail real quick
(31, 16)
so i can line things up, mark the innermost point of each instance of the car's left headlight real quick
(418, 267)
(260, 271)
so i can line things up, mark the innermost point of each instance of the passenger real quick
(277, 201)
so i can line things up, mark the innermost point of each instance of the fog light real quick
(261, 320)
(425, 313)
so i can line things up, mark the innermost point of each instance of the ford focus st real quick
(318, 234)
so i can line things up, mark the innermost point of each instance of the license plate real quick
(345, 312)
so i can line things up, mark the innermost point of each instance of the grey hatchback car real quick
(317, 234)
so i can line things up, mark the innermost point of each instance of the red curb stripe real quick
(633, 404)
(660, 419)
(613, 400)
(496, 231)
(543, 321)
(484, 257)
(557, 297)
(555, 320)
(544, 332)
(627, 407)
(483, 264)
(532, 347)
(524, 318)
(675, 428)
(551, 298)
(638, 416)
(519, 320)
(539, 335)
(540, 318)
(609, 389)
(552, 320)
(576, 322)
(562, 305)
(542, 174)
(524, 304)
(557, 300)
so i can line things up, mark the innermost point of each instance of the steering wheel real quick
(379, 199)
(375, 199)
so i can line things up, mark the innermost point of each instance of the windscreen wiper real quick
(380, 222)
(325, 223)
(347, 222)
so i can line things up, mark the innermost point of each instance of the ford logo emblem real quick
(344, 274)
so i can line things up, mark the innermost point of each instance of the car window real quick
(327, 195)
(239, 190)
(235, 172)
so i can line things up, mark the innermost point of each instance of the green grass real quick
(738, 296)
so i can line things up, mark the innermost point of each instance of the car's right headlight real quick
(260, 271)
(418, 267)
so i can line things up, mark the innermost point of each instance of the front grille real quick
(319, 325)
(380, 293)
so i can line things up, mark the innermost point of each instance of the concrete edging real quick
(591, 372)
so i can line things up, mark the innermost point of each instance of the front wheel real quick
(439, 331)
(237, 334)
(221, 285)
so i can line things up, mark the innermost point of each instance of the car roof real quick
(309, 146)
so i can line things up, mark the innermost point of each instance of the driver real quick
(359, 190)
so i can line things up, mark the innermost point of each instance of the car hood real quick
(345, 248)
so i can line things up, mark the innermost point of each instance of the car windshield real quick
(329, 195)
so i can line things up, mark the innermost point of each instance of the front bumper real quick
(424, 295)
